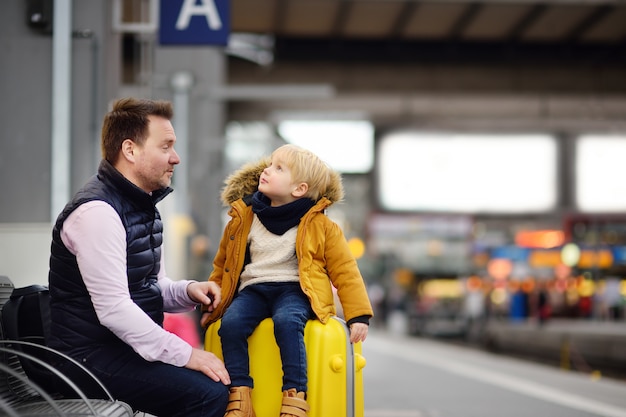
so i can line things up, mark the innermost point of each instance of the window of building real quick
(137, 21)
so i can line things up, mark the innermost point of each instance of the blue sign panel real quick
(619, 255)
(194, 22)
(513, 253)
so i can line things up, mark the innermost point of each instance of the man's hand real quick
(206, 293)
(358, 332)
(208, 364)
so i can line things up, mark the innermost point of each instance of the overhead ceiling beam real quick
(506, 52)
(466, 18)
(269, 92)
(525, 22)
(496, 110)
(280, 16)
(339, 23)
(595, 17)
(404, 16)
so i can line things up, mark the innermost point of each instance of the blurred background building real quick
(481, 142)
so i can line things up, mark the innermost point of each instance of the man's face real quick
(155, 160)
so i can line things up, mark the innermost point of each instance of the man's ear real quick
(128, 149)
(300, 190)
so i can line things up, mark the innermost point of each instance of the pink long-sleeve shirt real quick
(95, 235)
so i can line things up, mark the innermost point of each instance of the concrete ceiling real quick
(401, 59)
(525, 21)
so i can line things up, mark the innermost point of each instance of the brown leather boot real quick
(294, 404)
(240, 403)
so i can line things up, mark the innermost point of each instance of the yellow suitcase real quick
(335, 369)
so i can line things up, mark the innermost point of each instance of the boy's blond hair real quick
(307, 167)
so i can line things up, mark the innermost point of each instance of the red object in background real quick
(584, 307)
(183, 326)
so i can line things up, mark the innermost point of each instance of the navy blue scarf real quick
(282, 218)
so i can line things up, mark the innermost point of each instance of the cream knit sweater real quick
(273, 257)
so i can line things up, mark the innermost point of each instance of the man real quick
(107, 279)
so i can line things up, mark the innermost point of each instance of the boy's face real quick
(276, 182)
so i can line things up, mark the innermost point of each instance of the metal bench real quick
(21, 396)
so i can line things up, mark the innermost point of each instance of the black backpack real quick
(26, 317)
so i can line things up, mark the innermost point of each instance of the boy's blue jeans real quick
(289, 308)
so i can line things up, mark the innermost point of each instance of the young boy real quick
(279, 257)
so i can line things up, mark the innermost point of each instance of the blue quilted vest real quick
(75, 328)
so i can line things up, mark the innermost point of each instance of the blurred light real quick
(586, 288)
(442, 288)
(599, 178)
(542, 239)
(570, 254)
(499, 268)
(472, 173)
(595, 259)
(498, 296)
(544, 258)
(357, 247)
(346, 145)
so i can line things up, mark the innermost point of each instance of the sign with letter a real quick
(194, 22)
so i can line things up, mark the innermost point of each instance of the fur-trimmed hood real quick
(245, 181)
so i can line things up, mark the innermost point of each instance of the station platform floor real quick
(584, 345)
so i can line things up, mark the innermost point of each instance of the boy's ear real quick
(300, 190)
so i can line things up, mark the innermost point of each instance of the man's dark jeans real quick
(153, 387)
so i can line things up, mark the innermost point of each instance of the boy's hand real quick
(358, 332)
(206, 293)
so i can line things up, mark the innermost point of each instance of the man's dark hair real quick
(129, 120)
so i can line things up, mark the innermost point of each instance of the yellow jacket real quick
(324, 259)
